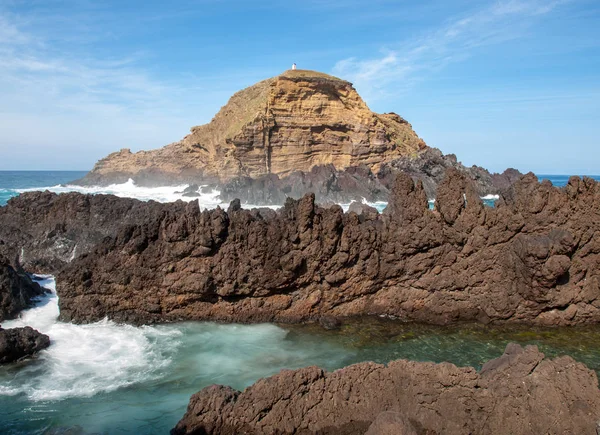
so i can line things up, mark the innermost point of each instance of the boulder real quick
(19, 343)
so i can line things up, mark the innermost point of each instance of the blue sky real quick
(510, 83)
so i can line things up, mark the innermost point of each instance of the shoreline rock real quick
(19, 343)
(521, 392)
(17, 290)
(535, 258)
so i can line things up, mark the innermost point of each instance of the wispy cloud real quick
(402, 64)
(64, 95)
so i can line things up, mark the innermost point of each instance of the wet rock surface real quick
(19, 343)
(519, 393)
(17, 290)
(535, 258)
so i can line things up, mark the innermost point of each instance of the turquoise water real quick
(117, 379)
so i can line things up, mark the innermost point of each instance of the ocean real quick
(107, 378)
(13, 183)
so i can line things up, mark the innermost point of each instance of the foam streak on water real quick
(86, 359)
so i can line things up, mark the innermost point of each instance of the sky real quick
(503, 83)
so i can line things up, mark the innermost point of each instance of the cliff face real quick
(534, 258)
(519, 393)
(292, 122)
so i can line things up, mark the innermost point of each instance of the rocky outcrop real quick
(430, 166)
(327, 183)
(19, 343)
(359, 183)
(534, 258)
(17, 290)
(518, 393)
(292, 122)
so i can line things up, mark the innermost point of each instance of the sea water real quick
(13, 183)
(109, 378)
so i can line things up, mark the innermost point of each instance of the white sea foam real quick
(87, 359)
(131, 190)
(379, 205)
(160, 194)
(166, 194)
(489, 197)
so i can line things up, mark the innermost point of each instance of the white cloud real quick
(401, 67)
(87, 105)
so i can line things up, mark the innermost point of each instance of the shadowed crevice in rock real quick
(520, 393)
(534, 258)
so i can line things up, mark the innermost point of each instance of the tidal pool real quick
(106, 378)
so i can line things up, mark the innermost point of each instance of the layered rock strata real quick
(534, 258)
(518, 393)
(17, 290)
(292, 122)
(19, 343)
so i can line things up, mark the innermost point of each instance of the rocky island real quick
(299, 132)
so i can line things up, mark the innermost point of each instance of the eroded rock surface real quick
(292, 122)
(19, 343)
(430, 166)
(17, 290)
(358, 183)
(534, 258)
(518, 393)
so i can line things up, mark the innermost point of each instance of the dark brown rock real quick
(430, 166)
(520, 393)
(391, 423)
(534, 258)
(17, 290)
(19, 343)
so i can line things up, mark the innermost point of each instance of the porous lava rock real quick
(534, 258)
(19, 343)
(522, 392)
(17, 290)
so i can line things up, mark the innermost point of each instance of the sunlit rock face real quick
(534, 258)
(407, 397)
(292, 122)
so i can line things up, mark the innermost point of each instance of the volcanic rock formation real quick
(17, 290)
(534, 258)
(292, 122)
(519, 393)
(19, 343)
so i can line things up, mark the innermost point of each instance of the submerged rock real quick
(192, 191)
(521, 393)
(19, 343)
